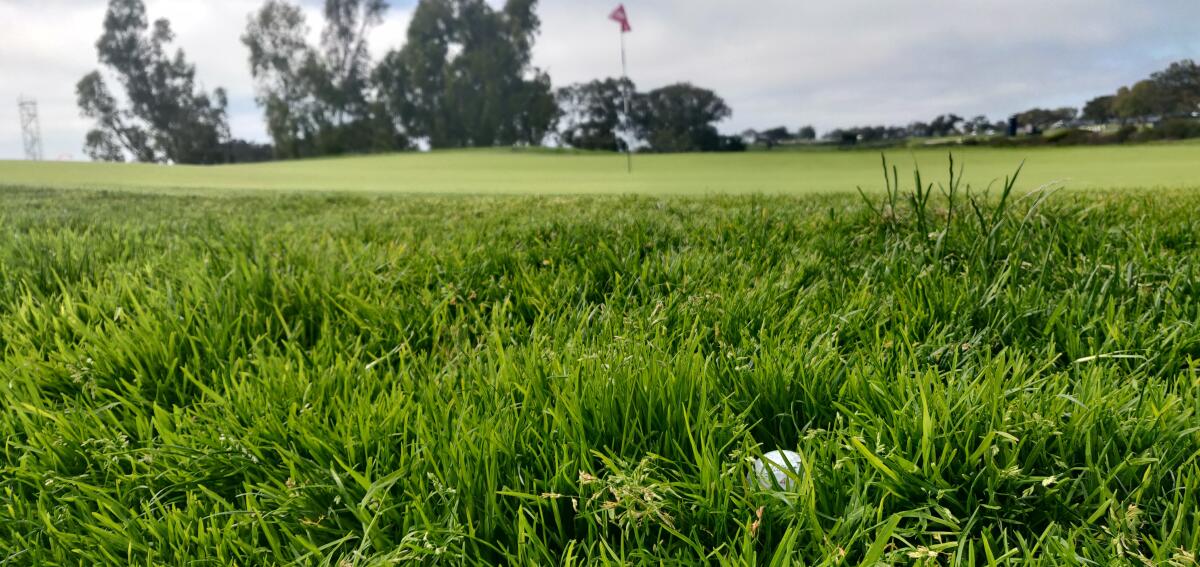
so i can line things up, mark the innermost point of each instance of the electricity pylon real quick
(31, 129)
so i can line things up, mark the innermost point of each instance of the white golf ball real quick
(778, 470)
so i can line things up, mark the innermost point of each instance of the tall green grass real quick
(1001, 378)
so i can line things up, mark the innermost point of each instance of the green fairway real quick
(506, 171)
(334, 379)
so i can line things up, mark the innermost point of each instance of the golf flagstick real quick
(620, 16)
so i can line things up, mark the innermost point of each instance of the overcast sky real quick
(777, 62)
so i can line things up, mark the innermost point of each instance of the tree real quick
(978, 125)
(775, 136)
(241, 151)
(1178, 89)
(1042, 118)
(1172, 92)
(317, 100)
(1141, 102)
(680, 118)
(283, 66)
(464, 77)
(731, 144)
(868, 134)
(1100, 109)
(168, 118)
(806, 133)
(592, 115)
(945, 125)
(919, 130)
(346, 59)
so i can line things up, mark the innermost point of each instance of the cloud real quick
(869, 61)
(831, 63)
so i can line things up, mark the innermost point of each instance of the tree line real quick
(675, 118)
(463, 78)
(1169, 100)
(1173, 92)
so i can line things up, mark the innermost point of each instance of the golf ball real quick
(778, 470)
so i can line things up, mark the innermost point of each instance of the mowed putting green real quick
(536, 172)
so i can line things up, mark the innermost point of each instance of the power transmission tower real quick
(31, 129)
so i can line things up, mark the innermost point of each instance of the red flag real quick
(622, 18)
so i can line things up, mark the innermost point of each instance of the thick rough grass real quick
(447, 380)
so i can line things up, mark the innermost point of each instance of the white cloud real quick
(790, 62)
(850, 62)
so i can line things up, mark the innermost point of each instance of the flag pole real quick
(625, 90)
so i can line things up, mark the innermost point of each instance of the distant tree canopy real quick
(867, 134)
(977, 125)
(1099, 109)
(464, 77)
(1171, 93)
(945, 125)
(168, 118)
(593, 114)
(774, 136)
(1170, 97)
(317, 98)
(680, 118)
(780, 135)
(676, 118)
(942, 125)
(1143, 100)
(1043, 118)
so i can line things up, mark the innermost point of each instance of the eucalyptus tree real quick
(465, 78)
(680, 118)
(593, 114)
(317, 99)
(165, 116)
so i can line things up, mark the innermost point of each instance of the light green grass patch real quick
(513, 172)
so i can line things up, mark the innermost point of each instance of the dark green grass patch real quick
(447, 380)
